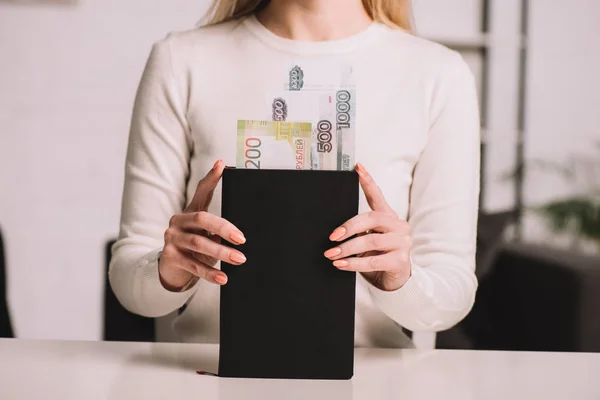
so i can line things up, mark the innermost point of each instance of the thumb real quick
(206, 187)
(373, 193)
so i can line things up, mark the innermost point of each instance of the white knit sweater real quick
(417, 133)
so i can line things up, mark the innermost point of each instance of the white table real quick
(66, 370)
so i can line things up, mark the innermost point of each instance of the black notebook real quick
(287, 312)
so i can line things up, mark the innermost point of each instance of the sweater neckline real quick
(309, 47)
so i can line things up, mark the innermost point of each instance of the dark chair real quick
(120, 324)
(540, 299)
(490, 228)
(5, 325)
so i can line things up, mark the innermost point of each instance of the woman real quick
(417, 136)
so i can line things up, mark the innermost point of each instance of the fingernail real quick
(338, 233)
(361, 170)
(333, 252)
(238, 237)
(221, 279)
(216, 164)
(237, 257)
(340, 263)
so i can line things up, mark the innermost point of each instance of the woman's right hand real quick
(193, 240)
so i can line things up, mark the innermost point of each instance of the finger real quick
(203, 245)
(211, 260)
(203, 220)
(363, 244)
(208, 260)
(202, 270)
(185, 261)
(206, 187)
(205, 259)
(374, 221)
(384, 262)
(373, 193)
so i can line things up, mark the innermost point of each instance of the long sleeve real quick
(442, 212)
(156, 173)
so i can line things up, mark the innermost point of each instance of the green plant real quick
(577, 215)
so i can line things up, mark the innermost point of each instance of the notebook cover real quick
(287, 312)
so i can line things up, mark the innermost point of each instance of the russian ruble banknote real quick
(309, 124)
(273, 145)
(318, 75)
(332, 114)
(330, 87)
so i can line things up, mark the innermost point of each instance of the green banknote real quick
(273, 144)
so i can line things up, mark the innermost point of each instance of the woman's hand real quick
(383, 243)
(192, 241)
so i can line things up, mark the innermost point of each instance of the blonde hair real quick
(394, 13)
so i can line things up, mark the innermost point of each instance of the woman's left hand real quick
(381, 250)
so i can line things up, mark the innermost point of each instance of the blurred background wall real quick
(68, 75)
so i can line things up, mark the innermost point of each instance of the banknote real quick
(309, 124)
(273, 144)
(318, 75)
(317, 107)
(332, 114)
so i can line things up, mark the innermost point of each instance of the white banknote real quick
(332, 114)
(318, 75)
